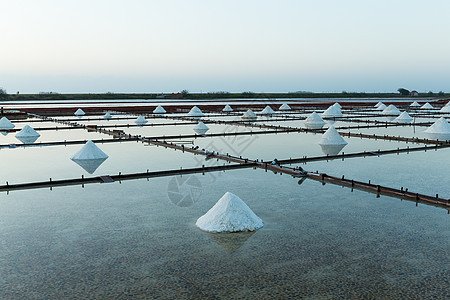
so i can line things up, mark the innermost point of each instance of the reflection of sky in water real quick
(318, 241)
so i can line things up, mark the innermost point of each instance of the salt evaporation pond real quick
(129, 239)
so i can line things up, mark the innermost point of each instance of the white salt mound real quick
(441, 126)
(140, 120)
(229, 214)
(382, 106)
(314, 121)
(5, 124)
(332, 111)
(445, 109)
(427, 106)
(249, 114)
(195, 112)
(267, 111)
(227, 108)
(391, 110)
(415, 104)
(201, 128)
(107, 116)
(90, 151)
(285, 106)
(378, 104)
(337, 105)
(79, 112)
(404, 117)
(332, 137)
(159, 110)
(27, 131)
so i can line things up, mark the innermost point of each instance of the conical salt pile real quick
(446, 108)
(391, 110)
(378, 104)
(331, 112)
(403, 118)
(90, 157)
(381, 107)
(332, 137)
(6, 124)
(201, 128)
(159, 110)
(267, 111)
(284, 106)
(79, 112)
(415, 104)
(249, 115)
(107, 116)
(440, 126)
(140, 121)
(337, 105)
(314, 121)
(195, 112)
(426, 106)
(227, 108)
(229, 214)
(27, 135)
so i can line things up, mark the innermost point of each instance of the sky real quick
(149, 46)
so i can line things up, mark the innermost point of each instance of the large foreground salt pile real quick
(249, 115)
(159, 110)
(90, 157)
(391, 110)
(5, 124)
(314, 121)
(227, 108)
(27, 135)
(415, 104)
(382, 106)
(446, 108)
(426, 106)
(229, 214)
(332, 142)
(140, 121)
(195, 112)
(439, 130)
(201, 128)
(267, 111)
(284, 106)
(403, 118)
(332, 111)
(79, 113)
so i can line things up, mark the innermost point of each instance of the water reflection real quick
(230, 242)
(90, 165)
(332, 149)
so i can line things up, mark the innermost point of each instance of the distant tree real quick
(344, 92)
(185, 93)
(430, 93)
(403, 92)
(3, 94)
(441, 93)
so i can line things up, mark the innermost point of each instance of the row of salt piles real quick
(27, 135)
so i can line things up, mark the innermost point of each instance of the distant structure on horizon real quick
(414, 93)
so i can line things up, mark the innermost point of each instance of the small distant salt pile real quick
(267, 111)
(140, 121)
(90, 157)
(426, 106)
(195, 112)
(403, 118)
(332, 112)
(314, 121)
(5, 124)
(391, 110)
(229, 214)
(338, 105)
(159, 110)
(284, 106)
(378, 104)
(249, 115)
(439, 130)
(79, 113)
(201, 128)
(27, 135)
(227, 108)
(107, 116)
(332, 142)
(381, 107)
(415, 104)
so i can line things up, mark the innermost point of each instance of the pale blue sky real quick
(217, 45)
